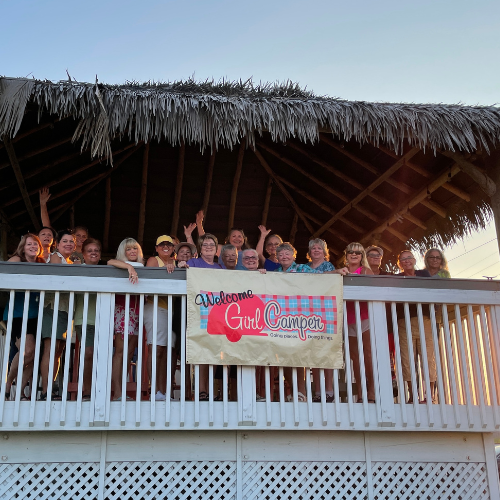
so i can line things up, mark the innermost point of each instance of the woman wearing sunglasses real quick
(436, 263)
(356, 262)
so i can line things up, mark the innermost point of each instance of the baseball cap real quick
(163, 238)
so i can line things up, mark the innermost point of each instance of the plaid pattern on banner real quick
(323, 306)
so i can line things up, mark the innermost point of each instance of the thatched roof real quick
(221, 114)
(308, 164)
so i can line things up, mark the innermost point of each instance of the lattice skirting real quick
(217, 480)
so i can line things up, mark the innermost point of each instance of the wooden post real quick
(178, 190)
(107, 216)
(72, 217)
(293, 230)
(144, 191)
(208, 182)
(267, 201)
(236, 181)
(3, 238)
(20, 181)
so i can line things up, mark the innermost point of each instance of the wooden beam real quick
(293, 229)
(435, 207)
(267, 201)
(36, 152)
(68, 175)
(486, 183)
(304, 172)
(208, 182)
(62, 209)
(20, 181)
(339, 174)
(236, 182)
(371, 187)
(282, 188)
(438, 181)
(414, 219)
(456, 191)
(398, 234)
(42, 168)
(344, 198)
(144, 192)
(178, 189)
(337, 234)
(320, 204)
(417, 168)
(4, 226)
(107, 215)
(368, 166)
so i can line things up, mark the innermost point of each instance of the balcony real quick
(464, 318)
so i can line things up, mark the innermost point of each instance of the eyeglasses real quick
(165, 244)
(354, 252)
(374, 255)
(208, 245)
(404, 259)
(250, 258)
(437, 257)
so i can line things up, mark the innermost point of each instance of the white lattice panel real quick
(429, 480)
(205, 480)
(304, 480)
(49, 480)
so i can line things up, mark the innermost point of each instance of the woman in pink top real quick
(355, 260)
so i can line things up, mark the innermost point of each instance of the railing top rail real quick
(180, 274)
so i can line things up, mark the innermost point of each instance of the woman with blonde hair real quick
(129, 256)
(436, 263)
(357, 263)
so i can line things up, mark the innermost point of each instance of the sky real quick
(385, 51)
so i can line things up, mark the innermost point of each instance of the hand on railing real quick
(170, 267)
(132, 274)
(183, 264)
(343, 271)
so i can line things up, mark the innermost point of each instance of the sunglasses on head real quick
(354, 252)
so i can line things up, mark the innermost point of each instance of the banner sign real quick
(274, 319)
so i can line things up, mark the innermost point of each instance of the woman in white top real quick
(65, 246)
(129, 256)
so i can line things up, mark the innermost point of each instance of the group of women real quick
(271, 254)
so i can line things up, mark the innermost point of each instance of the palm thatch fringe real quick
(222, 113)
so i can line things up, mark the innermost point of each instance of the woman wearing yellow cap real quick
(164, 258)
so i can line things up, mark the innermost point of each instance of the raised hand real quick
(44, 195)
(189, 230)
(263, 231)
(199, 217)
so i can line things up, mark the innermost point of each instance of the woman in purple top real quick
(207, 249)
(270, 244)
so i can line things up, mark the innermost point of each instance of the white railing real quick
(457, 324)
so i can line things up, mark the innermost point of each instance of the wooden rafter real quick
(412, 165)
(144, 193)
(37, 152)
(282, 188)
(484, 180)
(337, 234)
(405, 207)
(178, 189)
(236, 182)
(339, 174)
(293, 229)
(67, 175)
(434, 206)
(344, 198)
(267, 201)
(456, 191)
(368, 166)
(320, 204)
(59, 211)
(414, 219)
(390, 171)
(107, 215)
(398, 234)
(208, 182)
(20, 181)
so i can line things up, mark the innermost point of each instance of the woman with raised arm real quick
(436, 263)
(47, 236)
(269, 243)
(207, 248)
(236, 237)
(65, 246)
(356, 262)
(129, 257)
(29, 250)
(165, 258)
